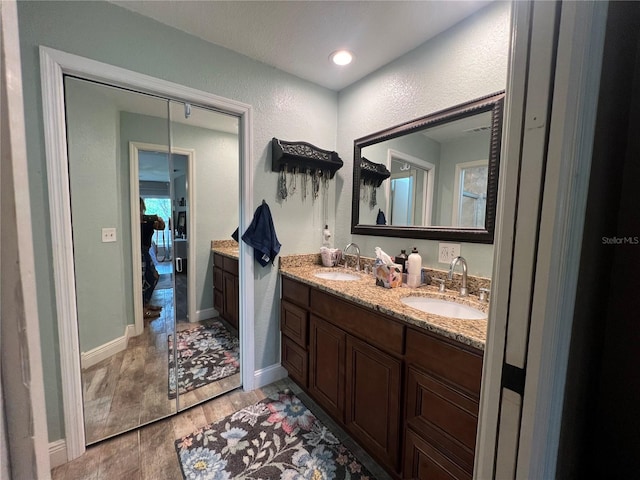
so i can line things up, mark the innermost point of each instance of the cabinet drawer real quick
(295, 361)
(435, 409)
(217, 278)
(293, 323)
(451, 362)
(295, 292)
(381, 331)
(423, 461)
(230, 265)
(217, 260)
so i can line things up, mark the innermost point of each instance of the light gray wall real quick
(284, 106)
(92, 126)
(464, 63)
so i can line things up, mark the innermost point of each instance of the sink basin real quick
(444, 308)
(340, 276)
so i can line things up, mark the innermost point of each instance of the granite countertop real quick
(387, 300)
(228, 248)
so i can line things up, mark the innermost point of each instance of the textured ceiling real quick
(298, 36)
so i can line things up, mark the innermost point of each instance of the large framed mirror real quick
(440, 175)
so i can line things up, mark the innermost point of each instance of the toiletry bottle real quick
(326, 235)
(414, 263)
(402, 260)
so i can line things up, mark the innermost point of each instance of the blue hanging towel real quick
(261, 235)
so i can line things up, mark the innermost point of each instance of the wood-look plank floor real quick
(131, 388)
(149, 453)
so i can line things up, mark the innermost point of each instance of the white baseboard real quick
(205, 314)
(90, 358)
(268, 375)
(58, 453)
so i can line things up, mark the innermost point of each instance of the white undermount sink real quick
(337, 275)
(444, 308)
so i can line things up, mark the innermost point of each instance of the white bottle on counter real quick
(326, 237)
(414, 269)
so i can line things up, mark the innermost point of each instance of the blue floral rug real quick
(276, 438)
(205, 354)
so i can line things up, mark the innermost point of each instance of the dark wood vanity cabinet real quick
(442, 400)
(226, 298)
(354, 365)
(365, 369)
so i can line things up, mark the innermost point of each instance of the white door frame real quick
(22, 396)
(427, 185)
(136, 254)
(53, 65)
(550, 113)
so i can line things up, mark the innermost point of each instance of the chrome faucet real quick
(357, 255)
(463, 289)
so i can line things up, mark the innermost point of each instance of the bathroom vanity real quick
(403, 383)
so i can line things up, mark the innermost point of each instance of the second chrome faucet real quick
(463, 288)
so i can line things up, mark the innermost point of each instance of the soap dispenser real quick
(326, 236)
(401, 259)
(414, 269)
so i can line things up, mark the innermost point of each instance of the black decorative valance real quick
(303, 156)
(373, 173)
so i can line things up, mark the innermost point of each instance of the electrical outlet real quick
(448, 251)
(108, 235)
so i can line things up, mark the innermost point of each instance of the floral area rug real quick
(276, 438)
(205, 354)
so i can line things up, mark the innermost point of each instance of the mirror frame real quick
(491, 103)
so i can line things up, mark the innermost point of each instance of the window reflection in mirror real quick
(470, 194)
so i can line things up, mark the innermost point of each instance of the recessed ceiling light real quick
(341, 57)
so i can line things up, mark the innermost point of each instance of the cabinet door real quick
(372, 416)
(326, 366)
(425, 462)
(231, 300)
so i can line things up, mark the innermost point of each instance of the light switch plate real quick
(448, 251)
(108, 234)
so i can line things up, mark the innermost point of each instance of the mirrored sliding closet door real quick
(206, 182)
(143, 177)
